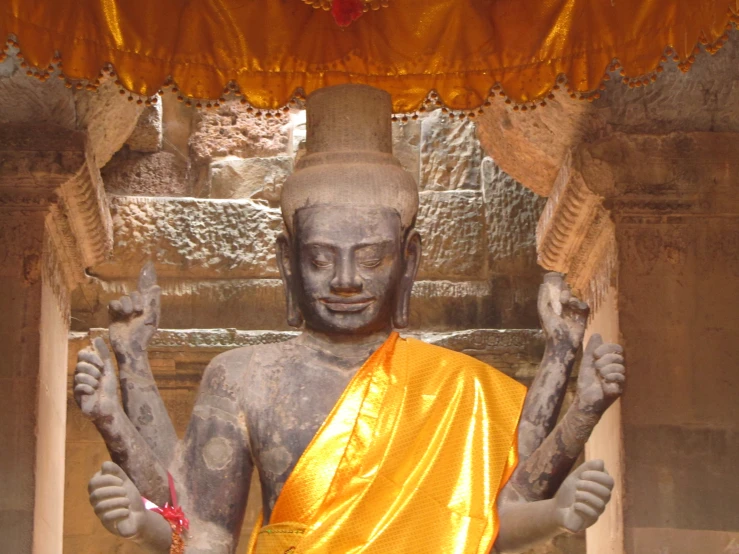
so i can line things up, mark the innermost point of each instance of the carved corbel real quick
(575, 234)
(51, 170)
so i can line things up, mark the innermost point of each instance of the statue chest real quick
(286, 406)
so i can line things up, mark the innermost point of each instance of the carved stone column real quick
(647, 229)
(54, 222)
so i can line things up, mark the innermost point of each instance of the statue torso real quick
(287, 391)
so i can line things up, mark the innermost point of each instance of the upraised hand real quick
(116, 501)
(563, 316)
(583, 496)
(95, 382)
(602, 375)
(135, 317)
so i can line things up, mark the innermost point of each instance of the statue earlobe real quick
(411, 262)
(294, 317)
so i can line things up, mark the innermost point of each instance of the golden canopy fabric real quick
(271, 48)
(411, 459)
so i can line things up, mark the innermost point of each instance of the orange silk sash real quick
(411, 459)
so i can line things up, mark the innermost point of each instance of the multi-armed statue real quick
(363, 441)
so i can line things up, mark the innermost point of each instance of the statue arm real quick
(212, 475)
(578, 504)
(135, 318)
(600, 383)
(216, 464)
(96, 393)
(563, 320)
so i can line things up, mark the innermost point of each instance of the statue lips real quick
(347, 304)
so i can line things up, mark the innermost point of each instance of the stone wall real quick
(198, 192)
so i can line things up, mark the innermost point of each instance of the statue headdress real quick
(349, 156)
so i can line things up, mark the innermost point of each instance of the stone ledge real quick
(260, 304)
(516, 352)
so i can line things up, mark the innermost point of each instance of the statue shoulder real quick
(460, 365)
(233, 365)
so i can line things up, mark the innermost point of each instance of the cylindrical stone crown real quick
(349, 118)
(349, 158)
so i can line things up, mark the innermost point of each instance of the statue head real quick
(350, 253)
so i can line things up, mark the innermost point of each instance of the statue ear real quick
(294, 317)
(411, 261)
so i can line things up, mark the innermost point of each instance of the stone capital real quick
(49, 171)
(631, 179)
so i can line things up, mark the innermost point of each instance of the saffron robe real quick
(411, 459)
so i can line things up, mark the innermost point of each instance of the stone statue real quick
(348, 261)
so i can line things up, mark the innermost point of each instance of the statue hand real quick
(562, 314)
(95, 383)
(602, 375)
(117, 501)
(135, 317)
(583, 496)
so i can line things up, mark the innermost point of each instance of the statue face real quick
(347, 268)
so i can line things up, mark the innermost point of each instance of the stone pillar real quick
(54, 222)
(647, 228)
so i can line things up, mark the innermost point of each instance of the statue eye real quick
(321, 263)
(370, 263)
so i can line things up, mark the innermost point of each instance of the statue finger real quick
(104, 493)
(600, 477)
(594, 343)
(138, 302)
(84, 379)
(609, 348)
(88, 369)
(590, 465)
(587, 512)
(111, 504)
(102, 480)
(612, 368)
(592, 487)
(111, 468)
(147, 277)
(115, 308)
(615, 378)
(577, 305)
(612, 358)
(83, 390)
(565, 295)
(599, 504)
(126, 305)
(115, 515)
(90, 356)
(103, 352)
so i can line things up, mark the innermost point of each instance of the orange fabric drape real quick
(411, 459)
(460, 48)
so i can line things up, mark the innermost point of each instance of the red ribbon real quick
(172, 513)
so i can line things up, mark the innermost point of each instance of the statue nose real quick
(346, 280)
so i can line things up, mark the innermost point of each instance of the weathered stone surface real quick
(407, 146)
(108, 117)
(193, 238)
(25, 99)
(452, 230)
(450, 154)
(231, 131)
(511, 215)
(176, 125)
(147, 135)
(255, 178)
(138, 174)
